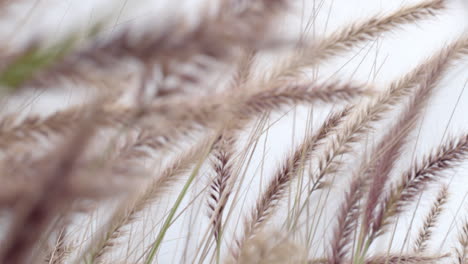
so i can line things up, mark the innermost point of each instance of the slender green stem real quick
(168, 222)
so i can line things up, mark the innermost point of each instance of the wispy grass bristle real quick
(162, 138)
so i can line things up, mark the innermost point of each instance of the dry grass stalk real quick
(169, 115)
(219, 189)
(175, 122)
(351, 36)
(62, 248)
(92, 179)
(348, 218)
(416, 179)
(431, 221)
(216, 37)
(390, 147)
(128, 212)
(275, 190)
(377, 171)
(382, 103)
(61, 123)
(33, 216)
(404, 259)
(174, 170)
(270, 247)
(461, 251)
(274, 99)
(358, 33)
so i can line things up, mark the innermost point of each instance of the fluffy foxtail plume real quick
(358, 33)
(431, 220)
(404, 259)
(366, 31)
(461, 250)
(274, 192)
(216, 37)
(34, 216)
(271, 248)
(348, 218)
(389, 148)
(219, 189)
(178, 99)
(175, 122)
(286, 95)
(416, 180)
(128, 212)
(364, 116)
